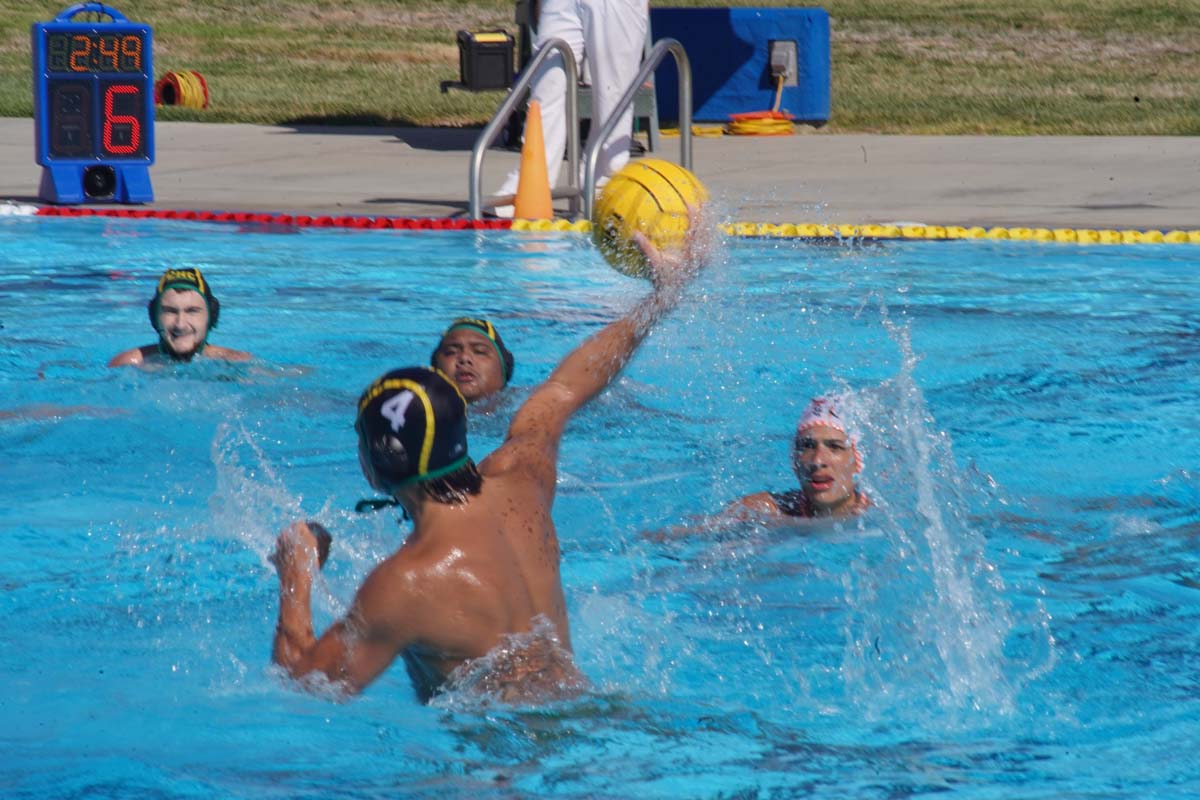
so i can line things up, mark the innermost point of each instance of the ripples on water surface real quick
(1016, 617)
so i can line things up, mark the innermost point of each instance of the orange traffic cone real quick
(533, 186)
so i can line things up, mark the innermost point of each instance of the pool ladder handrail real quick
(684, 68)
(492, 130)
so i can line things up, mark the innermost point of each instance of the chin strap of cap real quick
(372, 504)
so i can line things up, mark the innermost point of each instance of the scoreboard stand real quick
(93, 100)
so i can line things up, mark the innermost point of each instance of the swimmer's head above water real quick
(183, 312)
(826, 458)
(472, 353)
(412, 435)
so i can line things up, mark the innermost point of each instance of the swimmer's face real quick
(471, 360)
(824, 463)
(182, 321)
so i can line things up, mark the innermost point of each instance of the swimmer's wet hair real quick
(454, 488)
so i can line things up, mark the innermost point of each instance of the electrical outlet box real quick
(782, 60)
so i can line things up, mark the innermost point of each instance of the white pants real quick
(610, 35)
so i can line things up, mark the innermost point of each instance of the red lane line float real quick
(297, 220)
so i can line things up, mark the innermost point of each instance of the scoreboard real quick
(93, 97)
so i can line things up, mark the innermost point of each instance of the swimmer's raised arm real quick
(586, 370)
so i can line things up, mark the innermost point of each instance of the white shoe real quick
(504, 212)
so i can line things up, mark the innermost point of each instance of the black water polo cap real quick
(412, 426)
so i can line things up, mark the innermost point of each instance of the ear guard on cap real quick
(385, 460)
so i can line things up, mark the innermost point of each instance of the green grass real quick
(1100, 67)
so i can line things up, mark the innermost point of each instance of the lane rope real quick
(293, 220)
(769, 230)
(873, 232)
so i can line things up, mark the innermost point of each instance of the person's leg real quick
(615, 38)
(557, 19)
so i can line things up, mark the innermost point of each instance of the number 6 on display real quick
(126, 127)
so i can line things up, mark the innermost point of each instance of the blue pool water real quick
(1018, 615)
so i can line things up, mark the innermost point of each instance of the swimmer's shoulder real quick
(791, 503)
(133, 357)
(412, 598)
(760, 503)
(394, 594)
(520, 459)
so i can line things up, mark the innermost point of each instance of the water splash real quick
(531, 667)
(252, 503)
(929, 615)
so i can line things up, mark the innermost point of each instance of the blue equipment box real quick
(729, 50)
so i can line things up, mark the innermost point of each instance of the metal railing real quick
(685, 115)
(492, 130)
(571, 191)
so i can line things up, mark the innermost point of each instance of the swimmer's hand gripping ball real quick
(284, 546)
(649, 195)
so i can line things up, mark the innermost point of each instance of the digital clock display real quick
(93, 91)
(87, 52)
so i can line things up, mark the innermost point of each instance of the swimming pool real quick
(1017, 616)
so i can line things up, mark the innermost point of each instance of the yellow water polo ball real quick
(649, 195)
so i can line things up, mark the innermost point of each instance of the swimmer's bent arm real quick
(355, 649)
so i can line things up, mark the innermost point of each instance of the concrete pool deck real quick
(1074, 182)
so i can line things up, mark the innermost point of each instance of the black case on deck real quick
(485, 60)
